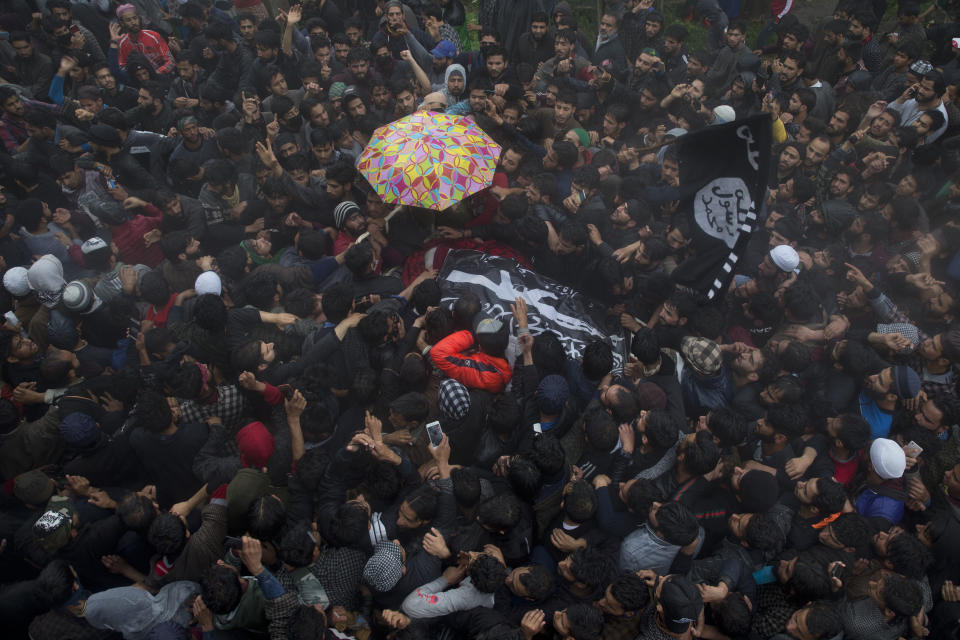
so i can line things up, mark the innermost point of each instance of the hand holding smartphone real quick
(435, 433)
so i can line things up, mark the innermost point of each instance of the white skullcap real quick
(785, 257)
(888, 459)
(724, 113)
(208, 282)
(15, 281)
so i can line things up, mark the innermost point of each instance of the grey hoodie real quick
(451, 99)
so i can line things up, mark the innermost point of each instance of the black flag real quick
(723, 182)
(572, 315)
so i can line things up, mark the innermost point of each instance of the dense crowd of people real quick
(237, 400)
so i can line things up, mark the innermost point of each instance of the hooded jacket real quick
(451, 99)
(475, 369)
(135, 612)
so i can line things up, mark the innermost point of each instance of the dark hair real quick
(487, 573)
(831, 496)
(265, 518)
(854, 431)
(630, 591)
(591, 567)
(585, 620)
(348, 527)
(902, 596)
(260, 289)
(500, 512)
(662, 427)
(307, 624)
(852, 530)
(597, 360)
(56, 581)
(823, 621)
(537, 582)
(210, 313)
(580, 504)
(296, 546)
(412, 406)
(787, 420)
(525, 478)
(907, 555)
(168, 535)
(677, 524)
(152, 412)
(547, 454)
(136, 512)
(763, 533)
(732, 615)
(601, 431)
(358, 258)
(727, 426)
(220, 589)
(466, 487)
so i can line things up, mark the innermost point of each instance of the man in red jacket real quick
(477, 363)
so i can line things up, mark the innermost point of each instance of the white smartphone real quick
(435, 433)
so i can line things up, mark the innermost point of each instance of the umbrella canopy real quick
(431, 160)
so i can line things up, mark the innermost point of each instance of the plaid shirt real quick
(13, 131)
(229, 407)
(888, 312)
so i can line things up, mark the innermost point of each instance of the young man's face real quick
(789, 71)
(478, 100)
(538, 30)
(734, 38)
(394, 17)
(495, 66)
(130, 21)
(340, 50)
(23, 48)
(335, 190)
(353, 32)
(510, 161)
(455, 84)
(247, 29)
(406, 102)
(323, 152)
(381, 97)
(105, 79)
(144, 99)
(267, 54)
(355, 224)
(562, 111)
(562, 48)
(185, 70)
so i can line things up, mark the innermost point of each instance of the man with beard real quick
(884, 394)
(625, 225)
(236, 61)
(184, 91)
(272, 50)
(193, 145)
(565, 63)
(842, 183)
(358, 73)
(864, 240)
(750, 369)
(114, 94)
(534, 46)
(441, 57)
(788, 162)
(923, 96)
(839, 125)
(148, 43)
(788, 72)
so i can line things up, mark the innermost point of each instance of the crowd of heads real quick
(239, 399)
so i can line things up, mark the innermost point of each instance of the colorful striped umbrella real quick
(430, 160)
